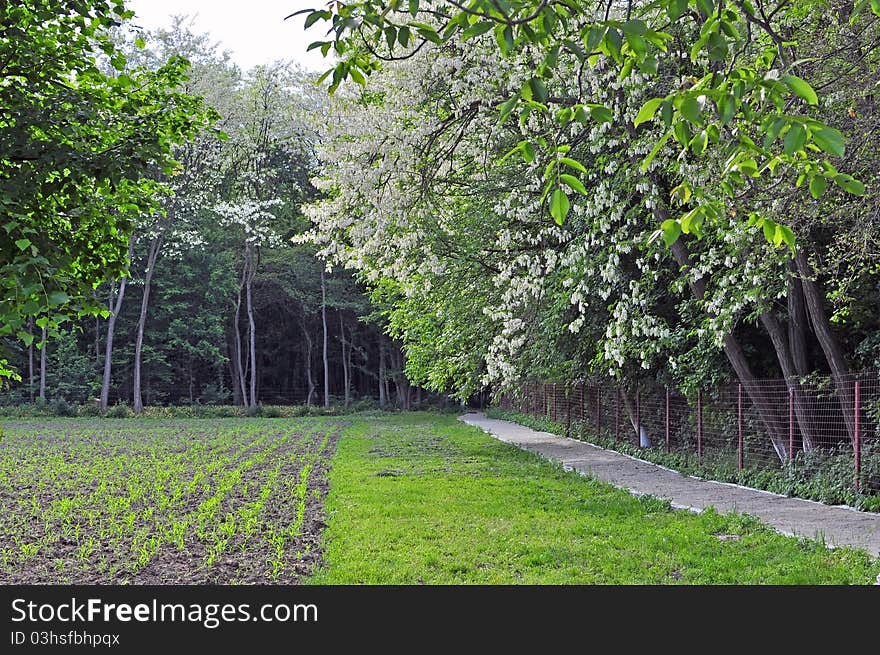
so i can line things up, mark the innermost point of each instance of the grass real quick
(425, 499)
(823, 476)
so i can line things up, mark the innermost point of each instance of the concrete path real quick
(840, 526)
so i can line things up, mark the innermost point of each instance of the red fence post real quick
(638, 419)
(617, 416)
(699, 427)
(583, 411)
(739, 427)
(567, 411)
(856, 436)
(667, 419)
(790, 426)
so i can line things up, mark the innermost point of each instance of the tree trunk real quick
(735, 355)
(786, 363)
(383, 393)
(324, 323)
(400, 381)
(233, 375)
(346, 371)
(797, 323)
(97, 339)
(239, 363)
(108, 346)
(309, 378)
(45, 346)
(30, 330)
(638, 425)
(252, 327)
(843, 380)
(155, 245)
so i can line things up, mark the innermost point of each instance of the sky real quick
(254, 32)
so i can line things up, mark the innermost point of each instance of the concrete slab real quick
(835, 525)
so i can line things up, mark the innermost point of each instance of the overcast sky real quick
(255, 31)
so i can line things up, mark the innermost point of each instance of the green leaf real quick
(574, 183)
(769, 228)
(875, 6)
(23, 244)
(801, 89)
(726, 108)
(601, 114)
(646, 113)
(594, 37)
(830, 140)
(539, 91)
(676, 8)
(573, 163)
(691, 221)
(682, 133)
(429, 35)
(528, 152)
(637, 44)
(635, 26)
(649, 65)
(717, 47)
(657, 148)
(58, 298)
(690, 109)
(671, 231)
(140, 44)
(699, 142)
(794, 139)
(773, 133)
(559, 206)
(314, 17)
(777, 235)
(817, 185)
(355, 74)
(477, 29)
(850, 184)
(787, 235)
(681, 194)
(27, 337)
(506, 108)
(666, 113)
(390, 36)
(504, 38)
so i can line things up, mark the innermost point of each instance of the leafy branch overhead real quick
(81, 138)
(742, 96)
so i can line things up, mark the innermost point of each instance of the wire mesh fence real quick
(815, 425)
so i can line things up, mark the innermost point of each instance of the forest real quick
(214, 304)
(676, 191)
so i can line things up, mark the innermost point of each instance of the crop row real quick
(186, 501)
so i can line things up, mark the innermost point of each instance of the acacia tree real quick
(427, 135)
(78, 145)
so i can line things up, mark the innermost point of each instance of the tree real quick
(425, 186)
(78, 145)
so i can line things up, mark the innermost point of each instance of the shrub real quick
(60, 407)
(89, 409)
(119, 410)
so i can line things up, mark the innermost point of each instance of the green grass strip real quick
(422, 498)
